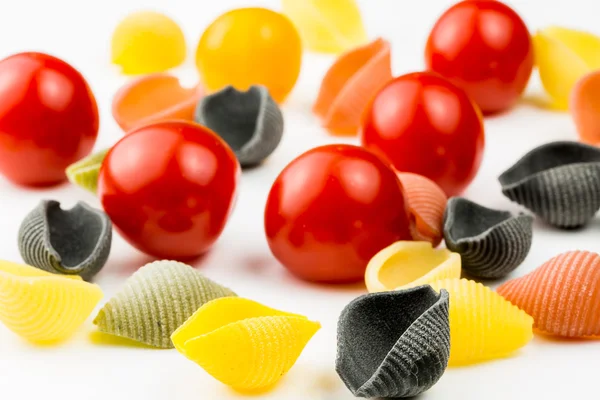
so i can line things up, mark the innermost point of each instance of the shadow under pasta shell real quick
(394, 344)
(250, 122)
(70, 242)
(491, 243)
(559, 182)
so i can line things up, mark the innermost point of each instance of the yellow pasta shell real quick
(327, 26)
(563, 56)
(42, 307)
(406, 264)
(483, 325)
(242, 343)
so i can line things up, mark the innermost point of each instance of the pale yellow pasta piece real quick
(408, 264)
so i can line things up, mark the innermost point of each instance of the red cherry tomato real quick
(484, 47)
(424, 124)
(48, 118)
(331, 210)
(169, 188)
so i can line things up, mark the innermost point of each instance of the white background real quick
(79, 32)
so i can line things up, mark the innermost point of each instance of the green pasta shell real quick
(155, 301)
(84, 173)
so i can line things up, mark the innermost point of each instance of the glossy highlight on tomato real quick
(331, 210)
(424, 124)
(169, 188)
(484, 47)
(48, 118)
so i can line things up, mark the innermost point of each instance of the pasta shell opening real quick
(154, 98)
(242, 343)
(350, 84)
(73, 241)
(249, 121)
(491, 243)
(394, 344)
(408, 264)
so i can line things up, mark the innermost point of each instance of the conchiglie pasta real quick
(350, 84)
(563, 295)
(242, 343)
(426, 205)
(42, 307)
(483, 325)
(407, 264)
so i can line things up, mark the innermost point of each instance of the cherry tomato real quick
(331, 210)
(484, 47)
(48, 118)
(424, 124)
(169, 188)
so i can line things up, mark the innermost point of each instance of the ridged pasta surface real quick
(562, 295)
(42, 307)
(483, 325)
(426, 203)
(242, 343)
(155, 301)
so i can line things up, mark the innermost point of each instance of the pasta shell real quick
(483, 325)
(559, 182)
(84, 173)
(244, 344)
(394, 344)
(563, 295)
(408, 264)
(146, 42)
(69, 242)
(491, 243)
(563, 56)
(584, 105)
(41, 307)
(350, 84)
(426, 205)
(154, 98)
(155, 301)
(250, 122)
(327, 26)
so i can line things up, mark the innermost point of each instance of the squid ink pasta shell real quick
(394, 344)
(250, 122)
(559, 182)
(242, 343)
(69, 242)
(562, 296)
(84, 173)
(491, 243)
(155, 301)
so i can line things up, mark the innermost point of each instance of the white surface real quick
(79, 31)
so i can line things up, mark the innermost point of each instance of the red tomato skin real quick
(484, 47)
(169, 188)
(424, 124)
(48, 118)
(331, 210)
